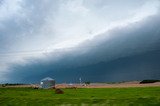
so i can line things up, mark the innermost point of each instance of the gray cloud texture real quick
(99, 41)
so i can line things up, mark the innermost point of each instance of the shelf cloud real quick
(98, 40)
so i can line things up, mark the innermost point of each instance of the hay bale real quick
(71, 87)
(36, 88)
(3, 85)
(59, 91)
(53, 87)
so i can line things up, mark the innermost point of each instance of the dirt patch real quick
(95, 85)
(103, 85)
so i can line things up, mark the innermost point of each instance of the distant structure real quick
(80, 80)
(47, 83)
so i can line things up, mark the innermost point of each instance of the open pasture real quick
(80, 97)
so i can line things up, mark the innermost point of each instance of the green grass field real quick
(147, 96)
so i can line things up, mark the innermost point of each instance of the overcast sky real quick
(98, 40)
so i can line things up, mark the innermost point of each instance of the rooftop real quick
(47, 79)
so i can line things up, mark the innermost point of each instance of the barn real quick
(47, 83)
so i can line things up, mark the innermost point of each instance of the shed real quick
(47, 83)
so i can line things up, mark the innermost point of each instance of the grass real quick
(147, 96)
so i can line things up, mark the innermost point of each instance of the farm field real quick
(80, 97)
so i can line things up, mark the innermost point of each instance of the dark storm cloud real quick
(131, 52)
(79, 38)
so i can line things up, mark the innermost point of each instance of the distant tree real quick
(87, 83)
(149, 81)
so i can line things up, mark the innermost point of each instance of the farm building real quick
(47, 83)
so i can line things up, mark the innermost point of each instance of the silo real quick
(47, 83)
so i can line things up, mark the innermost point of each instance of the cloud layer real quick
(71, 39)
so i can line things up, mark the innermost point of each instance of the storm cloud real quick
(98, 41)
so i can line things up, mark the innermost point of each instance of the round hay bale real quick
(59, 91)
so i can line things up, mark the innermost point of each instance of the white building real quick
(47, 83)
